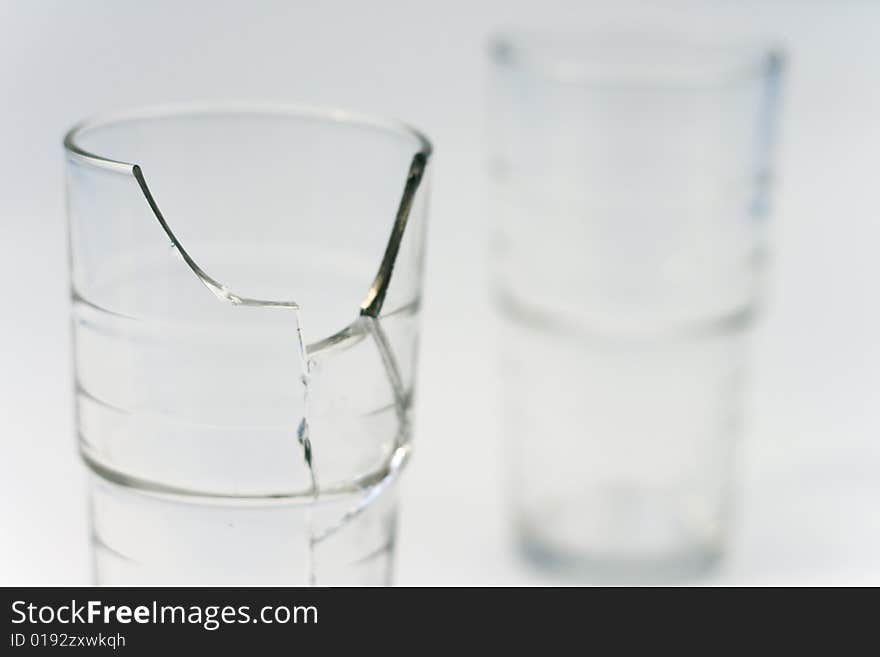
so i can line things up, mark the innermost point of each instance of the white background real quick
(810, 489)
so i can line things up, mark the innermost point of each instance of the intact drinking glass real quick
(246, 286)
(630, 187)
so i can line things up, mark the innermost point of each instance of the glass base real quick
(622, 535)
(605, 569)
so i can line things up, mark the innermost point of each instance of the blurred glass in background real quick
(244, 357)
(631, 180)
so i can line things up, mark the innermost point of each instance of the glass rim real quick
(389, 127)
(532, 52)
(260, 109)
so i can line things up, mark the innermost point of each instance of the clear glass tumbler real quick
(630, 191)
(246, 285)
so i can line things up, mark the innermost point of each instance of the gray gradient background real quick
(810, 486)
